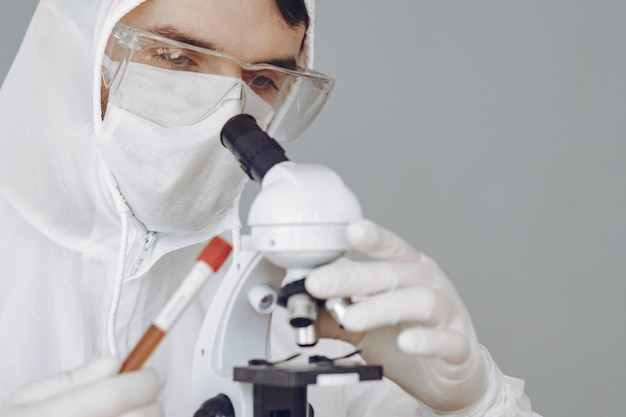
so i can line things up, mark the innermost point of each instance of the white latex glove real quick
(408, 318)
(93, 390)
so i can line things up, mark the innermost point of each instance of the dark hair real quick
(293, 12)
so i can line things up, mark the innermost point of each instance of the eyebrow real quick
(176, 35)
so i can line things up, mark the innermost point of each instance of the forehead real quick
(251, 30)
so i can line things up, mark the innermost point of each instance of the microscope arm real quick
(234, 332)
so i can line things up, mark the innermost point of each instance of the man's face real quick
(251, 30)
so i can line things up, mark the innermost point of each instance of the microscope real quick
(297, 222)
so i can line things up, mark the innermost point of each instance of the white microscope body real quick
(297, 222)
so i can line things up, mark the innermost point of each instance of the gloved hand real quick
(408, 318)
(93, 390)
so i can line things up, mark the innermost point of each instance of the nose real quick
(230, 69)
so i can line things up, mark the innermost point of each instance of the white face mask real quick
(179, 179)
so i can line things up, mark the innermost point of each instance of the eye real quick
(266, 84)
(173, 58)
(262, 81)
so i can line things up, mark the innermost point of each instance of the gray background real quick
(491, 135)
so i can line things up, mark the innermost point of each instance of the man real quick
(113, 178)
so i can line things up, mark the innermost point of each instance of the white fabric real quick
(191, 96)
(96, 384)
(74, 264)
(179, 178)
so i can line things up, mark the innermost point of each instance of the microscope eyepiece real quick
(255, 150)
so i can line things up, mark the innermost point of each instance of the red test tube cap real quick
(215, 253)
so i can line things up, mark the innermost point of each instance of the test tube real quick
(208, 262)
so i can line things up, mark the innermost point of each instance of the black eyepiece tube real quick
(255, 150)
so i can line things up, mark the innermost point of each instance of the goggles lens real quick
(172, 83)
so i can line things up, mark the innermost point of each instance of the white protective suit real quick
(62, 240)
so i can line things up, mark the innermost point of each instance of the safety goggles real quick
(171, 83)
